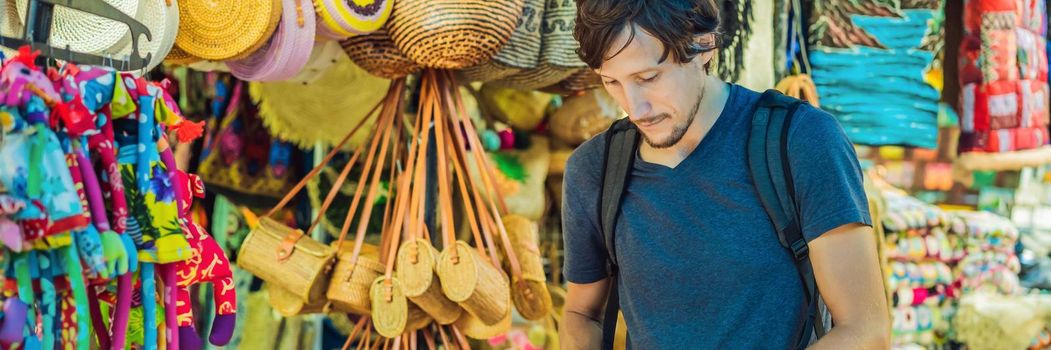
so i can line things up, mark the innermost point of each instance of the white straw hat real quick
(162, 19)
(85, 32)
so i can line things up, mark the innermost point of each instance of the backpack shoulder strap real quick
(622, 141)
(772, 174)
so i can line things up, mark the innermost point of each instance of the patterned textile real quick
(856, 43)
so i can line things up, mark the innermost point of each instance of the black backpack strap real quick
(771, 173)
(622, 141)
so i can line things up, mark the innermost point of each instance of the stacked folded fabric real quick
(991, 263)
(1003, 72)
(921, 249)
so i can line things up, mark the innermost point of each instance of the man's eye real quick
(650, 78)
(610, 82)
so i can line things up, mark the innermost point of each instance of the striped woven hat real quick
(453, 34)
(226, 29)
(345, 18)
(287, 51)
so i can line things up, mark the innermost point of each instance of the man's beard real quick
(678, 131)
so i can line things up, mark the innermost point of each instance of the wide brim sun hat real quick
(84, 32)
(161, 17)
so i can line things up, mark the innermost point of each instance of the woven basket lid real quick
(378, 55)
(226, 29)
(85, 32)
(453, 34)
(322, 110)
(162, 19)
(560, 48)
(345, 18)
(287, 51)
(531, 79)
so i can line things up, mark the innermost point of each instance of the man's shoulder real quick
(586, 161)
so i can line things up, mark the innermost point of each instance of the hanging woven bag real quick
(377, 54)
(347, 18)
(453, 34)
(522, 50)
(531, 298)
(287, 51)
(226, 29)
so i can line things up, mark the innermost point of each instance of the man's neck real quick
(712, 105)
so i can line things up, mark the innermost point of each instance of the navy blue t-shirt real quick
(700, 263)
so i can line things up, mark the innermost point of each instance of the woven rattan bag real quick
(286, 257)
(558, 58)
(227, 29)
(377, 54)
(357, 269)
(453, 34)
(530, 294)
(583, 116)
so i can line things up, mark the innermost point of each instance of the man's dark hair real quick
(675, 23)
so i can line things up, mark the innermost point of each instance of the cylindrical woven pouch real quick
(522, 50)
(474, 283)
(377, 54)
(415, 266)
(288, 49)
(346, 18)
(475, 328)
(530, 295)
(288, 304)
(285, 257)
(417, 318)
(390, 308)
(583, 116)
(349, 288)
(453, 34)
(226, 29)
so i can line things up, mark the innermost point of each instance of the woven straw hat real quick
(378, 55)
(10, 24)
(322, 110)
(345, 18)
(226, 29)
(453, 34)
(522, 50)
(85, 32)
(286, 52)
(324, 55)
(179, 57)
(162, 19)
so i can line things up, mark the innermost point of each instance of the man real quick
(700, 265)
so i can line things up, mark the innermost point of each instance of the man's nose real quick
(638, 106)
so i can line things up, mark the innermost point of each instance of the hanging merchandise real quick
(162, 19)
(558, 59)
(94, 181)
(1003, 75)
(241, 160)
(856, 43)
(450, 33)
(748, 53)
(347, 18)
(377, 54)
(303, 111)
(522, 109)
(286, 52)
(224, 30)
(522, 50)
(582, 117)
(85, 32)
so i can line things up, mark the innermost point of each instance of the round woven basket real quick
(377, 54)
(349, 288)
(346, 18)
(473, 327)
(474, 283)
(286, 52)
(288, 304)
(226, 29)
(322, 110)
(418, 282)
(522, 50)
(85, 32)
(532, 79)
(453, 34)
(389, 316)
(529, 295)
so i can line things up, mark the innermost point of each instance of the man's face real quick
(661, 98)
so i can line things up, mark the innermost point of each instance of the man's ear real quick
(709, 43)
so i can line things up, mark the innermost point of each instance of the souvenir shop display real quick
(855, 43)
(93, 181)
(1003, 74)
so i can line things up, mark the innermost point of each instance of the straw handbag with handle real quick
(353, 278)
(287, 257)
(453, 34)
(533, 300)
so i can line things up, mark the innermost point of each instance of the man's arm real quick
(848, 276)
(581, 326)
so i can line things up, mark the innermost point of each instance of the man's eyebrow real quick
(647, 70)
